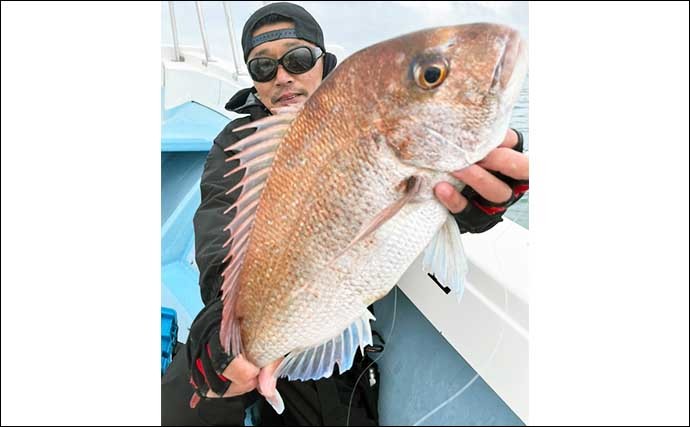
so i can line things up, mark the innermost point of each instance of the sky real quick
(347, 26)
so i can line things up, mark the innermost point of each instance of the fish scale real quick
(302, 252)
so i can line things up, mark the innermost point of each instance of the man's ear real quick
(329, 63)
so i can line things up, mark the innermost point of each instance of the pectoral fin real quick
(413, 186)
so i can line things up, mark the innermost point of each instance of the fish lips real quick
(513, 50)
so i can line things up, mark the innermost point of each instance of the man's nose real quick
(282, 76)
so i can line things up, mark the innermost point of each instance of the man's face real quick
(285, 88)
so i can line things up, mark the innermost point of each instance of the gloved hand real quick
(207, 358)
(493, 184)
(214, 373)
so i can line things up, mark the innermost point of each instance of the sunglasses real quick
(295, 61)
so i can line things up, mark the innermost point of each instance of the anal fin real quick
(317, 362)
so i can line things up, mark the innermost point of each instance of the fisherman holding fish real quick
(208, 384)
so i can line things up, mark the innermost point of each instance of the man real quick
(287, 60)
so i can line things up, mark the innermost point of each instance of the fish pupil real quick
(432, 74)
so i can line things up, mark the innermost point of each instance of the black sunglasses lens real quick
(262, 69)
(298, 61)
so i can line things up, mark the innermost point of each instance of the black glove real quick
(480, 214)
(207, 358)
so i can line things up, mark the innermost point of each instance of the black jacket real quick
(209, 219)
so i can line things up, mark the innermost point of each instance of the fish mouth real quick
(513, 50)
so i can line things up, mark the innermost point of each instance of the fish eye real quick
(429, 75)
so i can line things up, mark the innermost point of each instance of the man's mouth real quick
(288, 98)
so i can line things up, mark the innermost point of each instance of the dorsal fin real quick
(254, 156)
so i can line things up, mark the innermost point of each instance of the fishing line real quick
(354, 388)
(491, 356)
(471, 381)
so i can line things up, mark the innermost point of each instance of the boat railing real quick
(208, 57)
